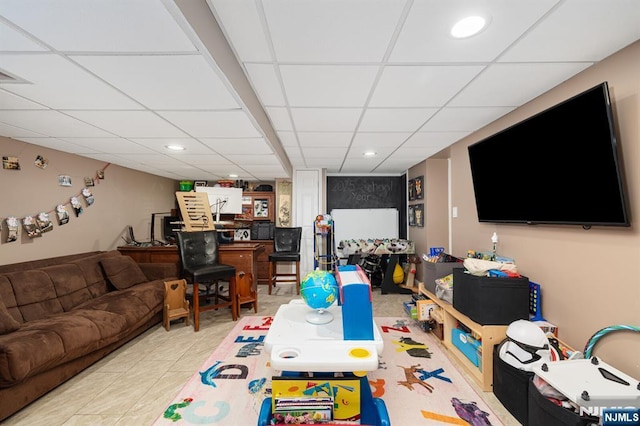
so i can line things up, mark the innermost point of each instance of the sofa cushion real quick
(69, 283)
(123, 272)
(7, 322)
(9, 299)
(35, 295)
(93, 272)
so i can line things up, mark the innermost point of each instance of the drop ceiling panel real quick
(596, 29)
(288, 139)
(111, 145)
(238, 146)
(430, 21)
(395, 120)
(60, 145)
(13, 40)
(163, 81)
(265, 81)
(10, 100)
(327, 140)
(242, 24)
(209, 159)
(338, 31)
(99, 25)
(251, 159)
(385, 139)
(204, 124)
(52, 123)
(326, 119)
(433, 139)
(327, 85)
(58, 83)
(421, 86)
(133, 124)
(494, 86)
(464, 119)
(10, 131)
(279, 118)
(322, 152)
(192, 146)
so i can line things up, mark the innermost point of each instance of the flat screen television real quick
(560, 166)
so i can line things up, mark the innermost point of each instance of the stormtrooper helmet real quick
(526, 345)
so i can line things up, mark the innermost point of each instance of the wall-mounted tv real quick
(560, 166)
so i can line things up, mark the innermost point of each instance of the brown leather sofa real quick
(60, 315)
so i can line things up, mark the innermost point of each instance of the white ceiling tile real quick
(192, 146)
(59, 83)
(99, 25)
(279, 118)
(327, 85)
(10, 131)
(240, 21)
(288, 139)
(355, 165)
(421, 86)
(323, 162)
(51, 123)
(322, 152)
(111, 145)
(395, 120)
(10, 100)
(430, 21)
(433, 139)
(163, 81)
(326, 140)
(337, 30)
(152, 159)
(414, 153)
(589, 30)
(326, 119)
(132, 124)
(238, 146)
(59, 145)
(203, 159)
(250, 159)
(204, 124)
(293, 152)
(464, 119)
(11, 41)
(265, 81)
(372, 139)
(494, 87)
(381, 152)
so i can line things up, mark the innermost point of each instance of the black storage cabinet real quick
(490, 300)
(511, 387)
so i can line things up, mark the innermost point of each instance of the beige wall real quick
(435, 232)
(124, 197)
(590, 278)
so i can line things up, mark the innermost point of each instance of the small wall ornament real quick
(13, 224)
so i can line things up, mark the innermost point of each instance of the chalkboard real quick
(365, 192)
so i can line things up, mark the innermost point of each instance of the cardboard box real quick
(424, 308)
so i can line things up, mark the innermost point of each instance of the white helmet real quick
(526, 345)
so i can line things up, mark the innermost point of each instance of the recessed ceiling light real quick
(370, 154)
(233, 175)
(468, 26)
(175, 147)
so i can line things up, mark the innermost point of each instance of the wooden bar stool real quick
(286, 246)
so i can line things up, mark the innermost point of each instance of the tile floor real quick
(133, 385)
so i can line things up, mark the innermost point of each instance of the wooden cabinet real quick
(263, 260)
(257, 206)
(491, 335)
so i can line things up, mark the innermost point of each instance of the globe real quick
(319, 290)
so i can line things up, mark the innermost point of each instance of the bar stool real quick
(286, 246)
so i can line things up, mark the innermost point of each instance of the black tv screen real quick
(559, 166)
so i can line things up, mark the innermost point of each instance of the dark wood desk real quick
(244, 256)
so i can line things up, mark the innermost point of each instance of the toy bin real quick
(434, 270)
(470, 347)
(542, 412)
(491, 300)
(511, 387)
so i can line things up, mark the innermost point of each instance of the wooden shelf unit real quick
(491, 335)
(257, 206)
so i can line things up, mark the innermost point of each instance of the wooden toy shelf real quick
(491, 335)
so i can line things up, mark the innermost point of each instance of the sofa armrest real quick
(157, 271)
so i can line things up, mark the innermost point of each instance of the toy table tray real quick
(297, 345)
(600, 380)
